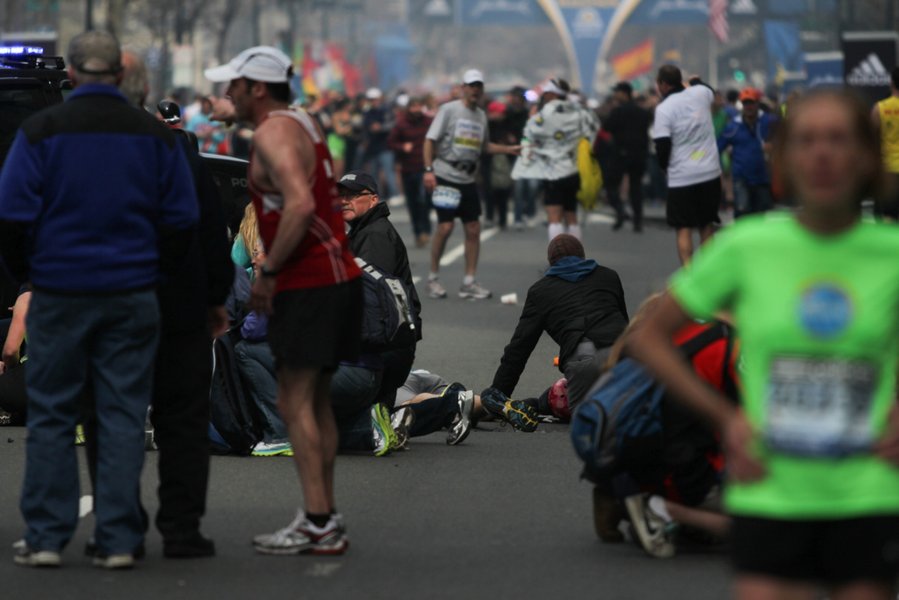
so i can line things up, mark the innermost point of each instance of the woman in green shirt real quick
(813, 450)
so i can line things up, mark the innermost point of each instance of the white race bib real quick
(820, 407)
(446, 198)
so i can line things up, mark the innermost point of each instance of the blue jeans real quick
(525, 191)
(110, 342)
(257, 367)
(750, 198)
(353, 392)
(418, 204)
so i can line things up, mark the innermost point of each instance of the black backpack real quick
(387, 319)
(232, 413)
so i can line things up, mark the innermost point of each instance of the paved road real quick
(501, 516)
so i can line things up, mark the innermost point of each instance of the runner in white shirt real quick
(452, 152)
(685, 145)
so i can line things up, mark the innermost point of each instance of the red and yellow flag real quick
(634, 62)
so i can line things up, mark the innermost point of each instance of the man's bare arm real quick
(287, 170)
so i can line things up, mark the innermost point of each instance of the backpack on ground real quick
(618, 427)
(387, 319)
(233, 417)
(591, 175)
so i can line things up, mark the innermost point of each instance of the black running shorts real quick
(694, 206)
(469, 208)
(317, 327)
(828, 552)
(563, 192)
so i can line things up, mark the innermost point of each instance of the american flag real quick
(718, 20)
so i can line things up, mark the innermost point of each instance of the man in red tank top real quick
(309, 284)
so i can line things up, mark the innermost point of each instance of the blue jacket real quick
(748, 159)
(98, 187)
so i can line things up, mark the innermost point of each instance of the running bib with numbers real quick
(446, 198)
(820, 407)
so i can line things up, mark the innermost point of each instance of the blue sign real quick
(507, 13)
(670, 12)
(784, 47)
(824, 69)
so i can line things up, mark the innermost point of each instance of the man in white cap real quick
(452, 151)
(309, 284)
(377, 159)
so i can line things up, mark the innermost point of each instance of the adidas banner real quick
(868, 59)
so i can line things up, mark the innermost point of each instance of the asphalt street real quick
(504, 515)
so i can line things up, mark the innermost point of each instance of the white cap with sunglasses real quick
(259, 63)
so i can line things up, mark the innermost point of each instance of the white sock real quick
(657, 505)
(575, 230)
(468, 280)
(555, 229)
(432, 276)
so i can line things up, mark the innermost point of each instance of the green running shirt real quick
(818, 319)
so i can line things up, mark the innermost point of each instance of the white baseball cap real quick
(373, 93)
(472, 76)
(259, 63)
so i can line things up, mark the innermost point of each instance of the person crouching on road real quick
(580, 304)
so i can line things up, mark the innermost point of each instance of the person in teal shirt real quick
(812, 453)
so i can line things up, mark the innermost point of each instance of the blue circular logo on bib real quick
(825, 311)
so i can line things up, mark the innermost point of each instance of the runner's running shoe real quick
(303, 537)
(382, 432)
(401, 422)
(275, 449)
(653, 530)
(114, 561)
(474, 291)
(436, 289)
(462, 426)
(516, 413)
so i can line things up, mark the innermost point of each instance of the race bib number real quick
(468, 136)
(820, 407)
(446, 198)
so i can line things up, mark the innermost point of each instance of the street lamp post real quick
(89, 15)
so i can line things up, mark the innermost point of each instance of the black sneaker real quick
(192, 546)
(520, 415)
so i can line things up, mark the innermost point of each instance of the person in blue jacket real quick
(748, 136)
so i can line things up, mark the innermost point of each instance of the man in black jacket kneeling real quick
(580, 304)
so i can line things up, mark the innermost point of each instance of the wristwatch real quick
(429, 169)
(266, 272)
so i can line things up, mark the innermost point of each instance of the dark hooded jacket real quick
(577, 300)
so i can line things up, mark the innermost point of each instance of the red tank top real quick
(322, 257)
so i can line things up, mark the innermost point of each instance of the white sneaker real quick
(26, 557)
(302, 537)
(474, 291)
(401, 421)
(652, 529)
(435, 289)
(114, 561)
(462, 427)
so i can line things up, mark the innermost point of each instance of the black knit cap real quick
(564, 245)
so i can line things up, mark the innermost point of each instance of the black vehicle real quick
(30, 82)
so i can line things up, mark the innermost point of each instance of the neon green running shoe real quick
(382, 430)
